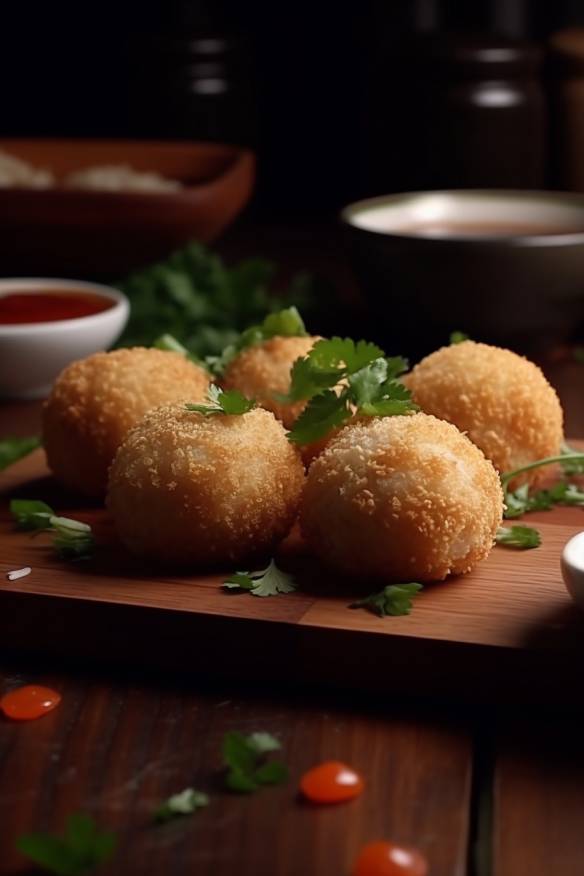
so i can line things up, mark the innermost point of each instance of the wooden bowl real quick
(74, 232)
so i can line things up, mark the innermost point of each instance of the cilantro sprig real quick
(13, 449)
(270, 581)
(72, 539)
(184, 803)
(394, 600)
(247, 767)
(285, 323)
(458, 337)
(219, 401)
(518, 537)
(521, 500)
(340, 377)
(78, 851)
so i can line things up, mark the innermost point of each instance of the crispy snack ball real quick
(405, 498)
(192, 490)
(501, 400)
(96, 401)
(263, 370)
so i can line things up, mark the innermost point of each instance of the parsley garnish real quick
(184, 803)
(270, 581)
(571, 466)
(220, 401)
(458, 337)
(394, 599)
(285, 323)
(520, 501)
(340, 378)
(244, 757)
(13, 449)
(72, 539)
(520, 537)
(81, 848)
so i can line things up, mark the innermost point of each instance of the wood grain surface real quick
(115, 749)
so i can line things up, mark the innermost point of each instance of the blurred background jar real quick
(567, 96)
(483, 112)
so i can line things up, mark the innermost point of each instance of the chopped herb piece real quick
(230, 401)
(184, 803)
(458, 337)
(13, 449)
(244, 758)
(286, 323)
(72, 539)
(270, 581)
(77, 852)
(31, 513)
(520, 537)
(394, 599)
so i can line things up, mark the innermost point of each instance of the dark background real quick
(323, 91)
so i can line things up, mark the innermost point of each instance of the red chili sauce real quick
(50, 306)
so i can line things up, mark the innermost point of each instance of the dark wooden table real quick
(483, 791)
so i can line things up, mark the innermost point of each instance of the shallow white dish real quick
(33, 354)
(573, 568)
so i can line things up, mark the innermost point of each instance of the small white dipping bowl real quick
(33, 354)
(573, 568)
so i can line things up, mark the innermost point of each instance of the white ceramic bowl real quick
(573, 568)
(33, 354)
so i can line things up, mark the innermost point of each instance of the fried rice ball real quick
(262, 371)
(501, 400)
(96, 401)
(405, 498)
(191, 490)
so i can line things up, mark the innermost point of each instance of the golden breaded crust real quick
(406, 498)
(190, 490)
(501, 400)
(263, 370)
(95, 402)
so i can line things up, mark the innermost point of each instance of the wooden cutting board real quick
(507, 630)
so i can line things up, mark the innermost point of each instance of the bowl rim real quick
(120, 309)
(573, 199)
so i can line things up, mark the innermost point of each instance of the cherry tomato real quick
(389, 859)
(331, 782)
(29, 702)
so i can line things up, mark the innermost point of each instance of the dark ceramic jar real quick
(485, 120)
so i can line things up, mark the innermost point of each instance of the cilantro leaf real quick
(394, 599)
(219, 401)
(72, 539)
(285, 323)
(184, 803)
(246, 768)
(170, 344)
(322, 414)
(270, 581)
(458, 337)
(520, 501)
(520, 537)
(78, 851)
(31, 513)
(327, 364)
(13, 449)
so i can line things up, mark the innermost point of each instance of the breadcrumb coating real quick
(501, 400)
(405, 498)
(96, 401)
(263, 370)
(190, 490)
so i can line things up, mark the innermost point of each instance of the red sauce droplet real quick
(29, 702)
(331, 782)
(389, 859)
(31, 307)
